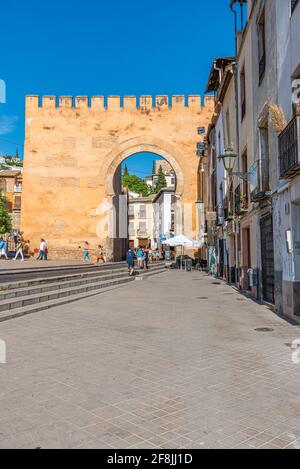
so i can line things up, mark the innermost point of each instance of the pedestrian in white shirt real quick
(43, 251)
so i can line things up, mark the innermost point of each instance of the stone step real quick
(73, 295)
(39, 282)
(58, 285)
(52, 284)
(66, 277)
(58, 290)
(51, 268)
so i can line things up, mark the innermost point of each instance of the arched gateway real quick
(73, 156)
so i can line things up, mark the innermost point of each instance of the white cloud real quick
(7, 124)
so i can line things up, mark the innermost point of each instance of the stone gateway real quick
(74, 149)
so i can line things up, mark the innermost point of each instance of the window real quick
(263, 163)
(261, 32)
(296, 90)
(244, 198)
(17, 204)
(131, 229)
(243, 92)
(143, 211)
(3, 185)
(219, 144)
(228, 128)
(142, 227)
(294, 3)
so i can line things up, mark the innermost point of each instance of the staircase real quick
(30, 296)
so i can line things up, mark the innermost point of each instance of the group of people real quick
(144, 256)
(100, 253)
(22, 246)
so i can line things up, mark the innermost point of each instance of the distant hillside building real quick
(11, 188)
(164, 215)
(140, 223)
(168, 172)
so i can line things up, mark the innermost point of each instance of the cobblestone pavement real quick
(171, 362)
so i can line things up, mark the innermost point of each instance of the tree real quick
(136, 184)
(5, 219)
(126, 172)
(161, 180)
(153, 168)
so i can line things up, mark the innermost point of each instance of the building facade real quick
(164, 214)
(11, 187)
(256, 203)
(140, 221)
(287, 197)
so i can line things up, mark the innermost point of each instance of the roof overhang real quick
(214, 77)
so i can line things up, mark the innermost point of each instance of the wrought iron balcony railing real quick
(220, 215)
(142, 233)
(240, 202)
(259, 181)
(228, 209)
(289, 149)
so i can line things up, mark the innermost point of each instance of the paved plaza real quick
(173, 361)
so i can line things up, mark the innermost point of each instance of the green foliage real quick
(161, 181)
(136, 184)
(153, 168)
(5, 219)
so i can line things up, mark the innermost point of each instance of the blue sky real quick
(106, 47)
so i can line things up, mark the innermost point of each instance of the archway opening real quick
(147, 184)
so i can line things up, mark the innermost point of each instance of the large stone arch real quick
(140, 144)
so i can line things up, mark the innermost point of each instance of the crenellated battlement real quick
(115, 103)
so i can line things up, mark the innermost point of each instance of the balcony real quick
(259, 182)
(241, 205)
(289, 149)
(228, 209)
(220, 216)
(142, 233)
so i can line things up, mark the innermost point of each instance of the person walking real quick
(100, 255)
(146, 259)
(16, 237)
(140, 255)
(150, 255)
(43, 251)
(3, 249)
(130, 261)
(86, 252)
(20, 251)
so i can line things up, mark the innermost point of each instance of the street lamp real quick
(229, 159)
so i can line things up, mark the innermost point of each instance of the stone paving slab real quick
(151, 365)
